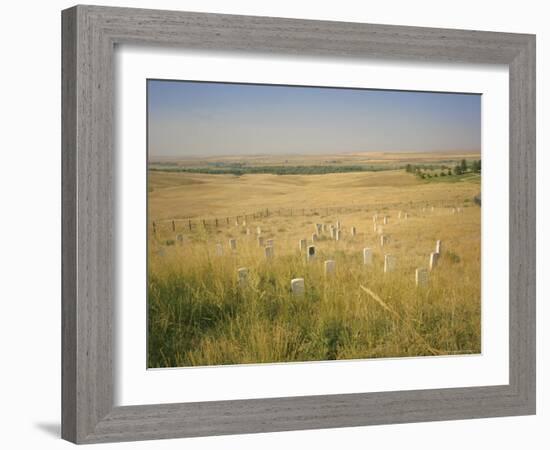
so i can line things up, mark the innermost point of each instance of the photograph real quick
(275, 225)
(299, 223)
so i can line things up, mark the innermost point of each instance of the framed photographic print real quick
(278, 224)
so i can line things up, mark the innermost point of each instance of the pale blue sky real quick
(206, 119)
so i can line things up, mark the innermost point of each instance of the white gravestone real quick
(337, 224)
(233, 244)
(219, 250)
(269, 242)
(385, 220)
(434, 258)
(260, 241)
(421, 277)
(248, 231)
(438, 247)
(353, 231)
(338, 234)
(330, 267)
(243, 276)
(297, 286)
(383, 240)
(269, 252)
(389, 263)
(311, 252)
(367, 256)
(258, 230)
(314, 237)
(302, 244)
(319, 228)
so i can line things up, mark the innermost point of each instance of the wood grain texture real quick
(89, 36)
(68, 225)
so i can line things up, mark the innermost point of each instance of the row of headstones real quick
(311, 250)
(454, 210)
(297, 284)
(258, 231)
(233, 244)
(335, 231)
(321, 227)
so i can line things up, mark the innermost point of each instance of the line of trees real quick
(425, 171)
(277, 170)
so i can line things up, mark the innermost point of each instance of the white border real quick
(136, 385)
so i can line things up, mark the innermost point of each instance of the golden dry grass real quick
(182, 195)
(200, 315)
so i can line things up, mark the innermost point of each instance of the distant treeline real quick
(277, 170)
(428, 171)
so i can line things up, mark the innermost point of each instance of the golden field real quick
(199, 313)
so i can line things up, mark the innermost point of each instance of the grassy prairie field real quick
(200, 314)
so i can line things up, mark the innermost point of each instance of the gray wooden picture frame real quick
(89, 36)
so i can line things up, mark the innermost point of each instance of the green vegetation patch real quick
(277, 170)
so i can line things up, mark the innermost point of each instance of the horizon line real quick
(351, 153)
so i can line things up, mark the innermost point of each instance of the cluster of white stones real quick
(422, 275)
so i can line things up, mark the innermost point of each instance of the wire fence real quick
(209, 223)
